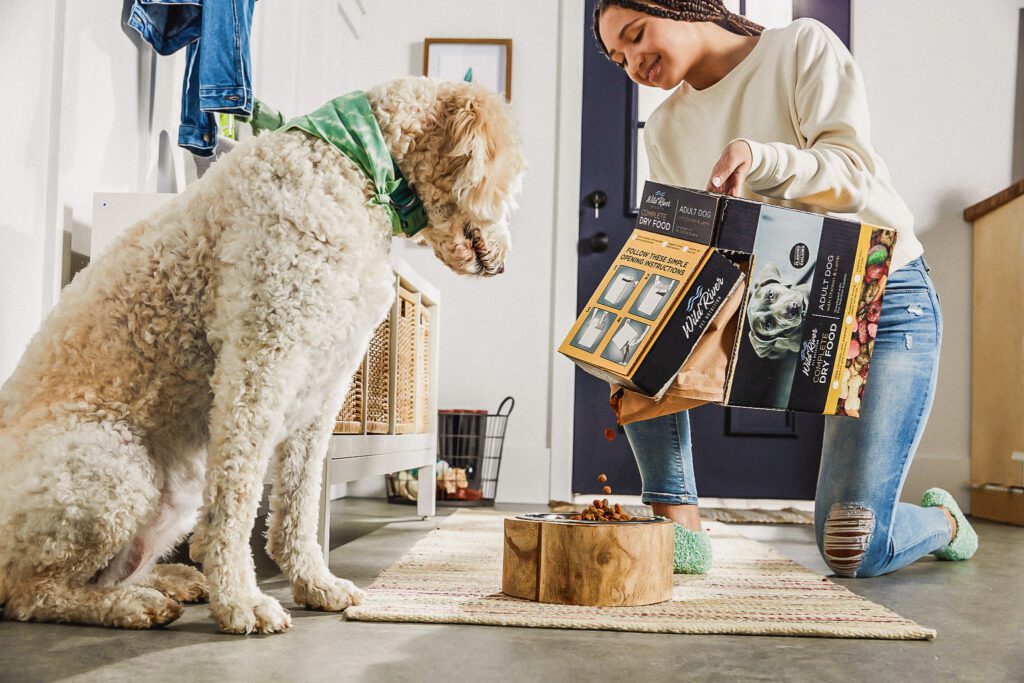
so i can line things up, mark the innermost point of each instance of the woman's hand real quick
(731, 169)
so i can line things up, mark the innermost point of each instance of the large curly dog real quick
(218, 337)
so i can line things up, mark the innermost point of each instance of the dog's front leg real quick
(294, 506)
(250, 393)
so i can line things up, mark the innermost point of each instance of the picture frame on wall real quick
(487, 61)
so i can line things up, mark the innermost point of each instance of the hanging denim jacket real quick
(217, 66)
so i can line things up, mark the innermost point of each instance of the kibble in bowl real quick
(601, 510)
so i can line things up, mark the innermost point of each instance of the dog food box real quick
(661, 293)
(812, 300)
(811, 307)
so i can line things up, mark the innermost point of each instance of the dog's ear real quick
(482, 144)
(762, 347)
(770, 272)
(773, 348)
(790, 342)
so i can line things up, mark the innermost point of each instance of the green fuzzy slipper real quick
(965, 543)
(692, 552)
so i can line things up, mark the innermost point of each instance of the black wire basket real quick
(469, 447)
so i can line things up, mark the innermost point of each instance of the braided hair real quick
(680, 10)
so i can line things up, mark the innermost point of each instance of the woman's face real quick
(654, 51)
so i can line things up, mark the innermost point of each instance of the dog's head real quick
(458, 146)
(775, 312)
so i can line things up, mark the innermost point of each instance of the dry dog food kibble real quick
(601, 510)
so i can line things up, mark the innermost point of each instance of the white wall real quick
(90, 108)
(301, 59)
(29, 30)
(80, 119)
(941, 88)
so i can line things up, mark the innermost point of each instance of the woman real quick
(781, 116)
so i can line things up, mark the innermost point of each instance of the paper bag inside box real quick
(702, 378)
(649, 311)
(810, 310)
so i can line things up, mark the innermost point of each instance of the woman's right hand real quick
(731, 169)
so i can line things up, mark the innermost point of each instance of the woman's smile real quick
(653, 70)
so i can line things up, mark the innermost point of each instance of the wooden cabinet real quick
(997, 357)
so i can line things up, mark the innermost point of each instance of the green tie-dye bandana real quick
(348, 123)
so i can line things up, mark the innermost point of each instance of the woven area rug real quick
(757, 516)
(454, 576)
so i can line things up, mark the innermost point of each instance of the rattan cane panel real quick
(377, 383)
(405, 371)
(350, 417)
(423, 368)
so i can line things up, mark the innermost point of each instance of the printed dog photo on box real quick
(785, 249)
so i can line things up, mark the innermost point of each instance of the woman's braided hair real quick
(681, 10)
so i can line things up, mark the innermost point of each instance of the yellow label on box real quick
(850, 320)
(635, 298)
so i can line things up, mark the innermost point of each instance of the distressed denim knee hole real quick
(847, 535)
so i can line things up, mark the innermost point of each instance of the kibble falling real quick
(601, 510)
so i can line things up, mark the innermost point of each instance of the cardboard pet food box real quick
(811, 301)
(661, 293)
(811, 308)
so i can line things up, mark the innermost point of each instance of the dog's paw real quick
(142, 608)
(179, 582)
(262, 615)
(329, 595)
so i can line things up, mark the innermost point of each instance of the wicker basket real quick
(405, 360)
(350, 417)
(423, 388)
(390, 391)
(376, 385)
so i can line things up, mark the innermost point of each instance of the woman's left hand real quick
(731, 169)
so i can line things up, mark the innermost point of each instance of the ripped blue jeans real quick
(861, 527)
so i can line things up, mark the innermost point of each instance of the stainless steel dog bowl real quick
(563, 518)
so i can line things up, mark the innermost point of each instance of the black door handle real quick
(598, 242)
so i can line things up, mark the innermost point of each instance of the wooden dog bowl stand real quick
(548, 558)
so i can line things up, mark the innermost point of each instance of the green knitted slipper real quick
(692, 552)
(964, 545)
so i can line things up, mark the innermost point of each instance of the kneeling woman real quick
(781, 116)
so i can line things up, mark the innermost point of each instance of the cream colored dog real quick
(217, 337)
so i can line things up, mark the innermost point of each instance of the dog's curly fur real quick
(214, 338)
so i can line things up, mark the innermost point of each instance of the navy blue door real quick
(737, 453)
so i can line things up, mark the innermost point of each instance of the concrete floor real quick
(977, 608)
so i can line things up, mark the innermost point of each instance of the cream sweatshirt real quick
(798, 100)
